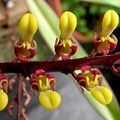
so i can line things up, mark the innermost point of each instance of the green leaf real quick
(48, 27)
(115, 3)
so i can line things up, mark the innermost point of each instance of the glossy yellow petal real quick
(67, 24)
(50, 99)
(102, 95)
(28, 26)
(3, 100)
(109, 23)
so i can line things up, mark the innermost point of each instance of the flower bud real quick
(67, 24)
(28, 26)
(50, 99)
(102, 94)
(109, 23)
(3, 100)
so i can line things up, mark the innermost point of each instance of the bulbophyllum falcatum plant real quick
(36, 72)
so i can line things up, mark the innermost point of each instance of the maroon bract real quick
(65, 48)
(104, 45)
(89, 78)
(24, 50)
(3, 82)
(42, 81)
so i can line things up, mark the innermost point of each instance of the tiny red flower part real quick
(52, 81)
(3, 82)
(34, 85)
(40, 73)
(42, 81)
(24, 50)
(104, 45)
(89, 78)
(65, 48)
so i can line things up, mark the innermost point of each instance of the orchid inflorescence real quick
(65, 46)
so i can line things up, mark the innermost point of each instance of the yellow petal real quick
(50, 99)
(102, 95)
(67, 24)
(109, 23)
(28, 26)
(3, 100)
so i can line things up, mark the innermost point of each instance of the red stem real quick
(64, 66)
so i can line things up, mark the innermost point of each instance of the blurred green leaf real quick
(93, 9)
(115, 3)
(48, 26)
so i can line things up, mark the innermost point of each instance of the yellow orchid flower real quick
(28, 26)
(3, 100)
(50, 99)
(102, 94)
(67, 24)
(109, 23)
